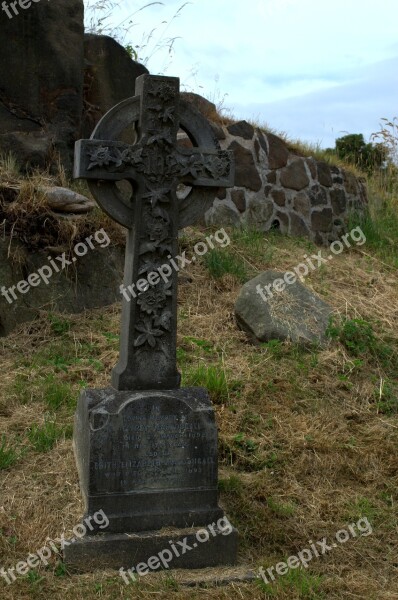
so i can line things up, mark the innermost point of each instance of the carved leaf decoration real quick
(168, 115)
(165, 248)
(160, 138)
(148, 335)
(164, 321)
(157, 195)
(102, 156)
(148, 247)
(159, 212)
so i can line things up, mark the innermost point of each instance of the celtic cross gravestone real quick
(146, 449)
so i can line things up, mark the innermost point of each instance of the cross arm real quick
(108, 160)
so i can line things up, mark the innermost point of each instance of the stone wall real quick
(275, 188)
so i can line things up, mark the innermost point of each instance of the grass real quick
(307, 438)
(44, 437)
(223, 262)
(301, 583)
(8, 454)
(213, 378)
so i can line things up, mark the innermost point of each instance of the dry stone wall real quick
(275, 188)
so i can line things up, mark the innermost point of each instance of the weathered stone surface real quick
(147, 453)
(222, 194)
(290, 312)
(283, 221)
(279, 197)
(297, 226)
(301, 204)
(72, 290)
(350, 182)
(241, 129)
(62, 199)
(324, 174)
(238, 197)
(162, 472)
(257, 149)
(338, 200)
(125, 550)
(311, 163)
(110, 76)
(295, 176)
(148, 361)
(41, 72)
(267, 190)
(278, 152)
(318, 195)
(217, 130)
(205, 107)
(322, 220)
(259, 212)
(271, 177)
(246, 174)
(31, 149)
(223, 213)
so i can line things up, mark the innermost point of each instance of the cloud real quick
(320, 117)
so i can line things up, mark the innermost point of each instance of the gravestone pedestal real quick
(148, 459)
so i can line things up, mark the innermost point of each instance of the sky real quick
(312, 69)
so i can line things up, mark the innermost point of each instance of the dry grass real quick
(304, 447)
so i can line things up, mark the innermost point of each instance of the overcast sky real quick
(313, 69)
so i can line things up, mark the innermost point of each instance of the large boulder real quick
(109, 77)
(277, 306)
(41, 80)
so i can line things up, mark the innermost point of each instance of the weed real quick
(281, 509)
(245, 443)
(222, 262)
(386, 396)
(43, 437)
(60, 570)
(34, 577)
(303, 584)
(57, 394)
(213, 378)
(232, 485)
(361, 508)
(8, 454)
(58, 325)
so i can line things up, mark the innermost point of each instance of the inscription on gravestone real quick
(146, 449)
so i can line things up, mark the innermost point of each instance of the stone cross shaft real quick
(154, 166)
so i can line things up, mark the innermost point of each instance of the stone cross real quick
(154, 166)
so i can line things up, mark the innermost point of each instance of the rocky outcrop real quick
(274, 188)
(56, 82)
(91, 281)
(41, 81)
(109, 78)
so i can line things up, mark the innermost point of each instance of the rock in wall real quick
(275, 188)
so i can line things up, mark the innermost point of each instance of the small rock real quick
(64, 200)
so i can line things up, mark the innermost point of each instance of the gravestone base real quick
(161, 548)
(148, 460)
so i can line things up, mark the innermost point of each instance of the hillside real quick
(307, 438)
